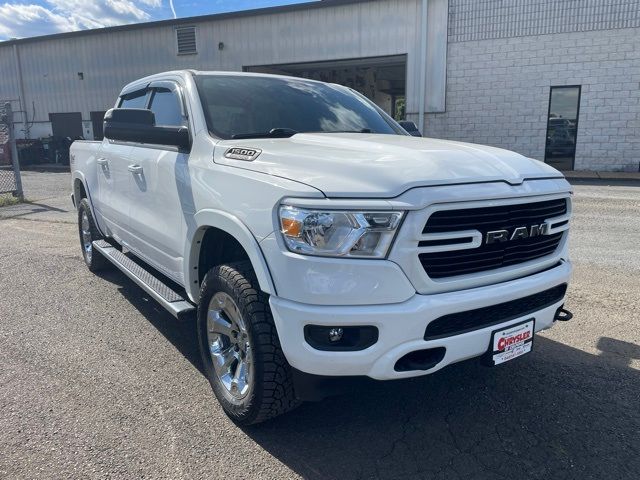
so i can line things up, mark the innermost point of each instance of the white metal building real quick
(554, 79)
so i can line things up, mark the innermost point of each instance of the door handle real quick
(101, 161)
(135, 169)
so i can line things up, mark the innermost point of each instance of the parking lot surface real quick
(97, 381)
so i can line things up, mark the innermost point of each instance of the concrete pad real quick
(98, 381)
(619, 175)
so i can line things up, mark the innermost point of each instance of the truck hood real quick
(381, 166)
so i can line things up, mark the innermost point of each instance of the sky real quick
(30, 18)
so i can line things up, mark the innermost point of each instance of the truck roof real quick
(142, 82)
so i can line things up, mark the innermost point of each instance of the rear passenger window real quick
(165, 104)
(134, 100)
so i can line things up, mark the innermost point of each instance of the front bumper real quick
(402, 326)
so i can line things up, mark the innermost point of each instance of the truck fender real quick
(233, 226)
(78, 175)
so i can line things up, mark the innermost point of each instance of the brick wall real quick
(498, 91)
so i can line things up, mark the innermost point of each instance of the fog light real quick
(340, 339)
(335, 334)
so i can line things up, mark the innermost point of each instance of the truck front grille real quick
(462, 322)
(495, 255)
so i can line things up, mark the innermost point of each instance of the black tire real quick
(92, 258)
(270, 386)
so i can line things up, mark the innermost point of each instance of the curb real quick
(616, 176)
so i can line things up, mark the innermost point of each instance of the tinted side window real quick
(166, 107)
(134, 100)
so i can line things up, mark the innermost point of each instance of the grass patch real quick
(6, 200)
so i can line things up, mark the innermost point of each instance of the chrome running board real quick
(175, 303)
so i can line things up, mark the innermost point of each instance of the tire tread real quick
(275, 394)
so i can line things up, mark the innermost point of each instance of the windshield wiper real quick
(273, 133)
(362, 130)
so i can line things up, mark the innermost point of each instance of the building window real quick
(186, 40)
(562, 126)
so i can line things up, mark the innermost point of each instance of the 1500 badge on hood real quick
(241, 153)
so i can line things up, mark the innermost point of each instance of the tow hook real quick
(563, 315)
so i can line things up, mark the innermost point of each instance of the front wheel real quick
(239, 345)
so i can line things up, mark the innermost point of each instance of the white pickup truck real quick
(316, 239)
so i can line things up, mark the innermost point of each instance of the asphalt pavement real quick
(97, 381)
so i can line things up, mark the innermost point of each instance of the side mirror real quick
(411, 128)
(139, 125)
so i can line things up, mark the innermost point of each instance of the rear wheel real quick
(239, 345)
(88, 234)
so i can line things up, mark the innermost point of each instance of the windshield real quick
(246, 106)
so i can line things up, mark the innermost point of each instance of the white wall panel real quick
(109, 59)
(8, 80)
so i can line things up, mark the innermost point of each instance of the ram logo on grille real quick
(527, 224)
(517, 233)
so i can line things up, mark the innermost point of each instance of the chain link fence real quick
(10, 182)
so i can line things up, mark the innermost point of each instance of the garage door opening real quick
(381, 79)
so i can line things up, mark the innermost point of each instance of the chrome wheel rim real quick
(229, 345)
(86, 236)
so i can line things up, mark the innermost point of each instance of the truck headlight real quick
(338, 233)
